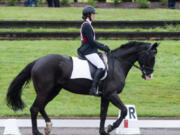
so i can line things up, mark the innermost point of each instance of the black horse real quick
(52, 73)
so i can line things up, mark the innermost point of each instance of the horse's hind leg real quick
(47, 120)
(34, 112)
(44, 95)
(39, 106)
(48, 128)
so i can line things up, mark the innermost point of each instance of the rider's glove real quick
(106, 49)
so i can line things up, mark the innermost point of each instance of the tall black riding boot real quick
(98, 74)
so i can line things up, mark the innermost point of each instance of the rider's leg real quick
(98, 75)
(96, 61)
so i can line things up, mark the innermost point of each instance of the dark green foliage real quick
(101, 0)
(143, 3)
(12, 2)
(164, 2)
(117, 1)
(65, 2)
(92, 2)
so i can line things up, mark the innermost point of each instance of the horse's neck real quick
(127, 64)
(127, 59)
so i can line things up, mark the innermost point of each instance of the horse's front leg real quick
(115, 100)
(103, 114)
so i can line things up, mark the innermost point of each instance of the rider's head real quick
(88, 12)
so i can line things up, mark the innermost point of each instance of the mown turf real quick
(74, 13)
(168, 28)
(158, 97)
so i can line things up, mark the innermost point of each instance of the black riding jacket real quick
(89, 45)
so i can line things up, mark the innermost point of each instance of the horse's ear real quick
(155, 45)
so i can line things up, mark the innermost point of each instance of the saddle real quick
(82, 68)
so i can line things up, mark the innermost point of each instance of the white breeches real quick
(95, 60)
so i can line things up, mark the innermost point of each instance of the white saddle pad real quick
(81, 69)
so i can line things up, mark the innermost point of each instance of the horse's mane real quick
(132, 44)
(124, 48)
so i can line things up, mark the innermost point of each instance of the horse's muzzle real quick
(147, 77)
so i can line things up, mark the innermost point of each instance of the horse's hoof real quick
(109, 128)
(104, 133)
(48, 128)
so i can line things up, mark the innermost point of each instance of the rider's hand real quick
(106, 49)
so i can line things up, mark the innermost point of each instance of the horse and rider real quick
(52, 73)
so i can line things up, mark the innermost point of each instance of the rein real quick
(136, 66)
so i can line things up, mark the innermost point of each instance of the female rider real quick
(89, 47)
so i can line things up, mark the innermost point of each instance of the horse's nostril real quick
(148, 77)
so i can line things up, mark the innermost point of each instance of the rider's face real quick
(92, 16)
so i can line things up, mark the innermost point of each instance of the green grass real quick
(74, 13)
(158, 97)
(168, 28)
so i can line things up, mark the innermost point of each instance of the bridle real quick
(142, 67)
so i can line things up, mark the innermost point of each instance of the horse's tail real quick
(13, 96)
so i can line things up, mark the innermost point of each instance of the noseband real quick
(143, 68)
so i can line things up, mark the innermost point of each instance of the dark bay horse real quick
(52, 73)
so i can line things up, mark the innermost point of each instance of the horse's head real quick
(146, 59)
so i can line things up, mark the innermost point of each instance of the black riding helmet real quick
(87, 11)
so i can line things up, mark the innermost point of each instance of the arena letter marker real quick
(130, 123)
(11, 127)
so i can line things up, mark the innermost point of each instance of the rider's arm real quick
(90, 37)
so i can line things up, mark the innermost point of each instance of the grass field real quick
(158, 97)
(74, 13)
(168, 28)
